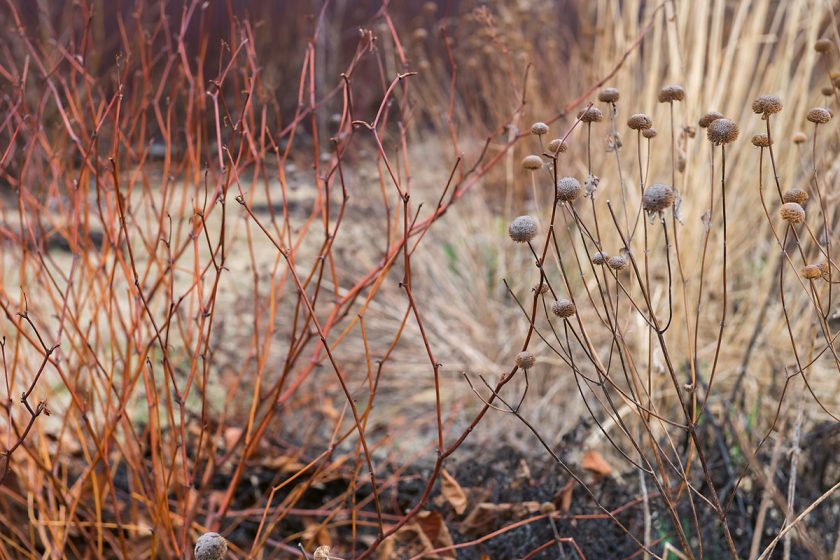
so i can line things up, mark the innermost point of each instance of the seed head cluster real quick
(600, 258)
(792, 213)
(210, 546)
(617, 262)
(568, 189)
(649, 133)
(639, 121)
(563, 308)
(532, 162)
(525, 360)
(766, 105)
(823, 45)
(671, 93)
(557, 146)
(796, 195)
(810, 272)
(799, 138)
(819, 115)
(722, 131)
(657, 197)
(591, 115)
(761, 141)
(709, 118)
(523, 229)
(539, 128)
(608, 95)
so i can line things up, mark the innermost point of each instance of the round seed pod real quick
(541, 288)
(210, 546)
(547, 507)
(649, 133)
(823, 45)
(819, 115)
(792, 213)
(799, 138)
(532, 162)
(525, 360)
(639, 121)
(557, 146)
(600, 258)
(671, 93)
(657, 197)
(591, 115)
(796, 195)
(563, 308)
(523, 229)
(608, 95)
(709, 118)
(761, 141)
(825, 270)
(828, 91)
(722, 131)
(539, 128)
(810, 272)
(767, 105)
(617, 262)
(568, 189)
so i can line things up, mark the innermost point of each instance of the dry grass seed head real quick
(671, 93)
(649, 133)
(639, 121)
(590, 115)
(210, 546)
(568, 189)
(608, 95)
(823, 45)
(709, 118)
(523, 229)
(761, 141)
(792, 213)
(722, 131)
(657, 197)
(532, 162)
(539, 128)
(767, 105)
(525, 360)
(557, 146)
(810, 272)
(617, 262)
(799, 138)
(796, 195)
(563, 308)
(600, 258)
(819, 115)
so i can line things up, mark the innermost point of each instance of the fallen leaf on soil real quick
(453, 492)
(484, 516)
(566, 496)
(427, 532)
(595, 463)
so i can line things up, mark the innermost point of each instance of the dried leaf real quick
(566, 496)
(595, 463)
(453, 492)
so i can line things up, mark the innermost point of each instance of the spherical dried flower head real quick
(761, 141)
(819, 115)
(671, 93)
(828, 91)
(799, 138)
(532, 162)
(210, 546)
(639, 121)
(539, 128)
(608, 95)
(823, 45)
(557, 146)
(600, 258)
(722, 131)
(810, 272)
(568, 189)
(709, 118)
(525, 360)
(590, 115)
(766, 105)
(617, 262)
(825, 270)
(541, 288)
(792, 213)
(563, 308)
(796, 195)
(657, 197)
(523, 229)
(649, 133)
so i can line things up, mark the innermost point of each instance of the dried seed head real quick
(766, 105)
(523, 229)
(617, 262)
(819, 115)
(835, 79)
(322, 553)
(792, 213)
(568, 189)
(828, 91)
(796, 195)
(541, 288)
(810, 272)
(671, 93)
(761, 141)
(563, 308)
(825, 270)
(608, 95)
(823, 45)
(649, 133)
(639, 121)
(590, 115)
(799, 138)
(539, 128)
(547, 507)
(722, 131)
(210, 546)
(557, 146)
(525, 360)
(709, 118)
(657, 197)
(532, 162)
(600, 258)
